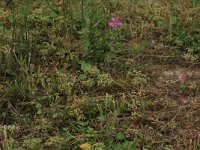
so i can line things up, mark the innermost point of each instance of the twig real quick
(5, 134)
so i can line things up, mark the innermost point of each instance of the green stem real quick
(82, 9)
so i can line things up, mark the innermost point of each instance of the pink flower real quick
(198, 135)
(115, 22)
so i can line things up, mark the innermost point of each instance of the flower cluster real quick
(115, 22)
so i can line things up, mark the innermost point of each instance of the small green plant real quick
(32, 144)
(100, 37)
(92, 76)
